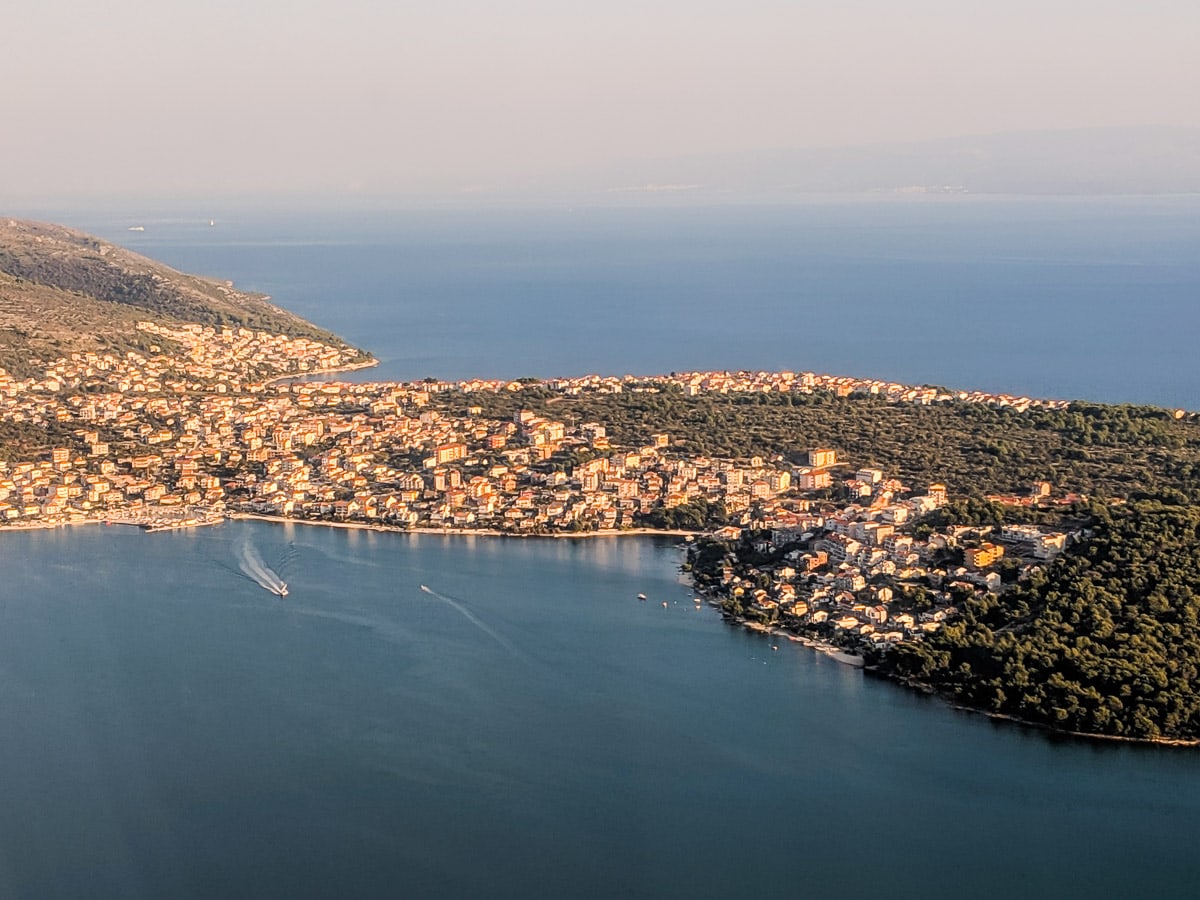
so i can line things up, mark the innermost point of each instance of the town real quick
(854, 577)
(214, 422)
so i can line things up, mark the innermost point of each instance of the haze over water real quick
(1076, 298)
(186, 733)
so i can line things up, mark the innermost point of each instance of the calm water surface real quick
(1092, 298)
(172, 729)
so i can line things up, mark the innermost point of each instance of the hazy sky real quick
(381, 95)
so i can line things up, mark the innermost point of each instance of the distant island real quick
(1034, 559)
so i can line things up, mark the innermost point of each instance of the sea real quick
(429, 716)
(1056, 297)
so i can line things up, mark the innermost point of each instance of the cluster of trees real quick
(1106, 640)
(975, 449)
(22, 441)
(694, 516)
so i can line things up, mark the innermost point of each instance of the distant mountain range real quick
(1142, 160)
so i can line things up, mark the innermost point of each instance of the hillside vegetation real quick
(1106, 641)
(62, 291)
(975, 449)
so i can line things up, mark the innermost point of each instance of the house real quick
(984, 555)
(822, 458)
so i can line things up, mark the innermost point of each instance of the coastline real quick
(301, 376)
(1088, 735)
(149, 525)
(48, 526)
(1044, 727)
(846, 658)
(460, 532)
(832, 651)
(853, 660)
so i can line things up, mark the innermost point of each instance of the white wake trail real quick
(252, 565)
(474, 620)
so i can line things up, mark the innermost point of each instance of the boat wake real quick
(251, 564)
(474, 620)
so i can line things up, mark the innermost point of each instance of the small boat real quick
(697, 600)
(664, 604)
(640, 596)
(137, 227)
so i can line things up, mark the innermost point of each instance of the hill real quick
(63, 291)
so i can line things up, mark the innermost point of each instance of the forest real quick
(1106, 640)
(1136, 452)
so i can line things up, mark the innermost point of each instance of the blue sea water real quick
(1076, 298)
(530, 729)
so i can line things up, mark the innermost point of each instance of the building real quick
(809, 479)
(983, 556)
(450, 452)
(1046, 545)
(822, 458)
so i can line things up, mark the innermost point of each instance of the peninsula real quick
(1036, 559)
